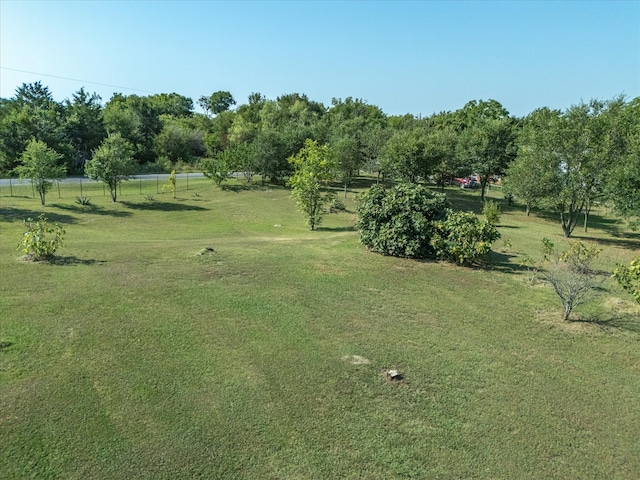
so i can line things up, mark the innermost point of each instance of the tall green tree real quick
(31, 113)
(487, 139)
(237, 157)
(487, 148)
(581, 163)
(41, 165)
(270, 155)
(314, 166)
(439, 152)
(139, 119)
(403, 156)
(181, 139)
(622, 182)
(84, 126)
(572, 156)
(532, 176)
(217, 102)
(349, 127)
(112, 163)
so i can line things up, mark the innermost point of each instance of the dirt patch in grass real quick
(356, 360)
(31, 259)
(620, 306)
(622, 315)
(576, 324)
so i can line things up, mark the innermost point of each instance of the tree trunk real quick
(587, 210)
(571, 220)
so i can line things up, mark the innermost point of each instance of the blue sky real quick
(415, 57)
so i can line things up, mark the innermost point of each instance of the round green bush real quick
(400, 221)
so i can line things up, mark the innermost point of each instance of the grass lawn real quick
(139, 354)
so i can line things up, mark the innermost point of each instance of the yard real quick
(215, 336)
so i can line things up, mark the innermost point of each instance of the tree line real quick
(566, 161)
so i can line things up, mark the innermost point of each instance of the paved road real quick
(4, 182)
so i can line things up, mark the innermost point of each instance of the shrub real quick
(571, 276)
(42, 239)
(171, 183)
(336, 204)
(462, 238)
(399, 221)
(83, 200)
(534, 266)
(629, 277)
(491, 212)
(314, 166)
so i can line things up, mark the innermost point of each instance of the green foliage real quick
(217, 167)
(400, 221)
(31, 114)
(171, 183)
(628, 277)
(531, 176)
(83, 200)
(336, 204)
(580, 256)
(439, 152)
(314, 165)
(463, 238)
(42, 239)
(402, 157)
(355, 133)
(40, 164)
(572, 160)
(140, 121)
(217, 102)
(624, 169)
(112, 163)
(534, 266)
(84, 126)
(486, 147)
(491, 212)
(176, 140)
(240, 158)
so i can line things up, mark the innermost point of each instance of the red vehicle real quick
(466, 183)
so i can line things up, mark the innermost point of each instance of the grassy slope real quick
(134, 357)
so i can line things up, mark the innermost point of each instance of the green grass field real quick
(139, 354)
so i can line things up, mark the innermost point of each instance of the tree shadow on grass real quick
(336, 229)
(251, 186)
(358, 183)
(501, 262)
(615, 227)
(630, 244)
(93, 210)
(465, 201)
(72, 260)
(627, 323)
(163, 206)
(11, 214)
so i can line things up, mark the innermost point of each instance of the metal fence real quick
(73, 187)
